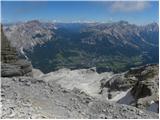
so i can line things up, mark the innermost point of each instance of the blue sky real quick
(141, 12)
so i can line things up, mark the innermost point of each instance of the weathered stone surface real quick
(8, 53)
(9, 70)
(37, 73)
(143, 73)
(19, 68)
(26, 97)
(146, 90)
(138, 87)
(119, 82)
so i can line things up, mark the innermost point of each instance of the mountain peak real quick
(33, 22)
(123, 22)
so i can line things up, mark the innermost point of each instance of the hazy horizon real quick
(77, 22)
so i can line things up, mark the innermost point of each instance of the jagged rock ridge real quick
(24, 36)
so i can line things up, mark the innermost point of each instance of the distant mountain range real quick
(107, 46)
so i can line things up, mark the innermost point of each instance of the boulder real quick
(19, 68)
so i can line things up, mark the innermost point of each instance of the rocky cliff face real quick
(141, 84)
(19, 68)
(146, 89)
(11, 65)
(24, 36)
(8, 53)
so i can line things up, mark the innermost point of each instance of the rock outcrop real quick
(146, 90)
(11, 65)
(8, 53)
(19, 68)
(139, 86)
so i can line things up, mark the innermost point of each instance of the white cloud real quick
(129, 6)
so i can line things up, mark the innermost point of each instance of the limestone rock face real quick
(137, 87)
(146, 90)
(8, 53)
(11, 65)
(19, 68)
(119, 82)
(24, 36)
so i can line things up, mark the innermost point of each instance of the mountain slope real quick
(24, 36)
(137, 87)
(26, 97)
(107, 46)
